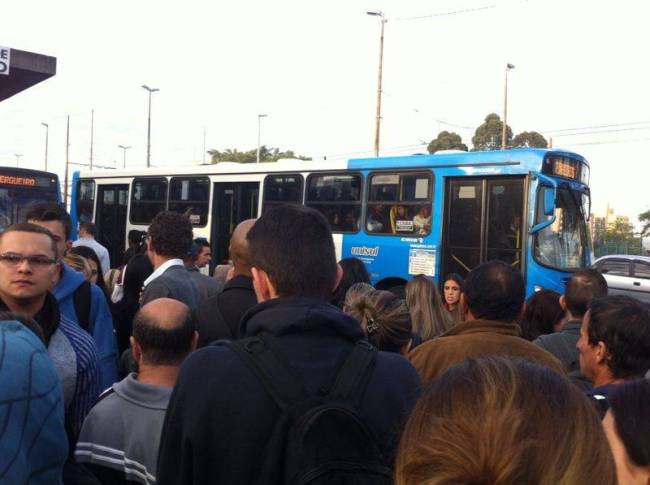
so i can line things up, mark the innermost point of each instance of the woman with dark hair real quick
(96, 270)
(428, 315)
(354, 271)
(385, 319)
(627, 427)
(453, 287)
(138, 270)
(543, 315)
(505, 421)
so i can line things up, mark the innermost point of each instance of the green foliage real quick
(619, 231)
(529, 139)
(446, 141)
(267, 154)
(644, 218)
(488, 135)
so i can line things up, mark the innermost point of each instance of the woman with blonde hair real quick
(385, 319)
(428, 316)
(503, 421)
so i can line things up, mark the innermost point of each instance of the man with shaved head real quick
(120, 437)
(218, 317)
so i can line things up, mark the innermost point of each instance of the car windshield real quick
(15, 202)
(562, 244)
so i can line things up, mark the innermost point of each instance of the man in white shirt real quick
(169, 240)
(87, 232)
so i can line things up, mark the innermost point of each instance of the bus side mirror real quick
(549, 201)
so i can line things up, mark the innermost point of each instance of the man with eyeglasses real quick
(29, 265)
(80, 301)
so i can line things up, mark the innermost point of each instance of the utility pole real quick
(47, 133)
(204, 144)
(151, 90)
(17, 155)
(92, 133)
(381, 62)
(505, 108)
(124, 148)
(67, 163)
(259, 117)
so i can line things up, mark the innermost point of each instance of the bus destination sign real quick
(26, 181)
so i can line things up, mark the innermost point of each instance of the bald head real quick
(238, 249)
(164, 330)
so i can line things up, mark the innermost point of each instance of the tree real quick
(644, 218)
(529, 139)
(446, 141)
(267, 154)
(488, 135)
(619, 231)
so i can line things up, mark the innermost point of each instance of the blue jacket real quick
(101, 322)
(33, 442)
(220, 417)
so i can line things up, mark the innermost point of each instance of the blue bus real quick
(20, 188)
(407, 215)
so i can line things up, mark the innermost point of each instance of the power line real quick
(631, 140)
(602, 131)
(631, 123)
(442, 14)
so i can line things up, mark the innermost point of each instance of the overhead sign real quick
(5, 57)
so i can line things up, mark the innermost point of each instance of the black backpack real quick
(318, 439)
(81, 299)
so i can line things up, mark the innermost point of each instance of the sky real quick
(581, 76)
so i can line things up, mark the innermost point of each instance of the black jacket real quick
(220, 417)
(219, 316)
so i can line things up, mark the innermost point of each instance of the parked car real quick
(626, 275)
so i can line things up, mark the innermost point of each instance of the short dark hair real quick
(171, 234)
(33, 228)
(583, 286)
(163, 346)
(622, 323)
(135, 236)
(543, 312)
(50, 211)
(89, 227)
(495, 291)
(629, 403)
(293, 245)
(354, 271)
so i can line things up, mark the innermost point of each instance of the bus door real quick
(112, 203)
(484, 220)
(232, 203)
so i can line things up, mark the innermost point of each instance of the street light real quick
(259, 117)
(47, 133)
(379, 14)
(124, 153)
(17, 155)
(505, 108)
(151, 90)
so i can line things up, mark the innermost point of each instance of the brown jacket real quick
(472, 339)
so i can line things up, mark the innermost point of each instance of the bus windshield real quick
(562, 245)
(15, 202)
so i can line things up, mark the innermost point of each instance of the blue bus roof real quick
(530, 158)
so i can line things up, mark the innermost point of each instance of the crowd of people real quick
(288, 367)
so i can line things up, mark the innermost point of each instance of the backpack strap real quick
(353, 377)
(282, 385)
(81, 300)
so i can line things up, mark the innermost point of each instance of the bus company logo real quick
(365, 251)
(7, 180)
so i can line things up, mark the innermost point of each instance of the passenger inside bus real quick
(422, 221)
(377, 219)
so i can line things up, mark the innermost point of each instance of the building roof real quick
(25, 70)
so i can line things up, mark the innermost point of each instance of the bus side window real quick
(399, 203)
(282, 189)
(85, 200)
(338, 198)
(148, 197)
(190, 195)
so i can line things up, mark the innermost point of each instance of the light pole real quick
(17, 155)
(381, 62)
(124, 153)
(259, 118)
(47, 134)
(151, 90)
(505, 108)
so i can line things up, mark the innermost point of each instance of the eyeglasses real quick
(14, 259)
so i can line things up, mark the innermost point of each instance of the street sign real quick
(5, 57)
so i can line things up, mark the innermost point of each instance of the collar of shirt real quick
(162, 268)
